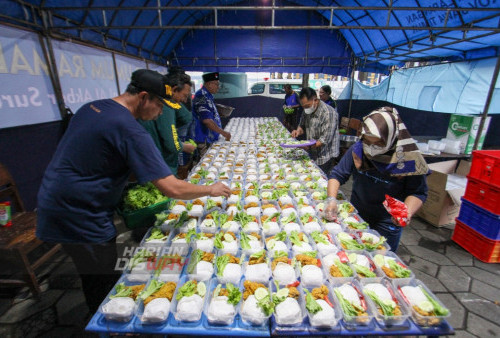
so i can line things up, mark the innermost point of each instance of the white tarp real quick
(455, 88)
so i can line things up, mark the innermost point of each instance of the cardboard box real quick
(443, 205)
(464, 128)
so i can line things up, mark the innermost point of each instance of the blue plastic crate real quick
(480, 219)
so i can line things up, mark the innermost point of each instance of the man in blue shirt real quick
(291, 108)
(208, 126)
(85, 179)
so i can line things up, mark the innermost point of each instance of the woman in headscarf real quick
(325, 94)
(385, 161)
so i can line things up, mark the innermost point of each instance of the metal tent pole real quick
(352, 87)
(487, 103)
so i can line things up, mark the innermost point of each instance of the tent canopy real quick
(272, 35)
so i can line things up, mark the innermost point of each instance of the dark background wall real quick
(26, 151)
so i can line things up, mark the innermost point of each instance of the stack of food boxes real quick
(264, 254)
(478, 224)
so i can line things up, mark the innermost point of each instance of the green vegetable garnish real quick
(311, 304)
(363, 270)
(291, 218)
(156, 233)
(348, 308)
(218, 240)
(180, 221)
(294, 238)
(221, 263)
(141, 256)
(234, 294)
(203, 173)
(160, 218)
(318, 237)
(122, 291)
(187, 290)
(345, 270)
(189, 234)
(258, 254)
(243, 218)
(373, 246)
(195, 259)
(350, 244)
(266, 305)
(280, 236)
(386, 307)
(154, 286)
(211, 204)
(312, 254)
(398, 270)
(142, 196)
(244, 241)
(438, 309)
(280, 253)
(276, 214)
(358, 225)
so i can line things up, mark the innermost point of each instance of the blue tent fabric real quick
(138, 28)
(455, 88)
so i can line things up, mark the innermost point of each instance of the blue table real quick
(100, 325)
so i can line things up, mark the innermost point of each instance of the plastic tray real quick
(423, 321)
(303, 145)
(483, 194)
(144, 217)
(481, 247)
(486, 166)
(479, 219)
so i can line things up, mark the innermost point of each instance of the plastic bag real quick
(396, 209)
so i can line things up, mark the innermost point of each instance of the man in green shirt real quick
(163, 130)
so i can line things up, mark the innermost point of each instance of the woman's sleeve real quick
(342, 171)
(416, 186)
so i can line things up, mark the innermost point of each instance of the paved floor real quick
(469, 287)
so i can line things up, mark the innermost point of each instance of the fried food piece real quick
(320, 293)
(326, 233)
(279, 259)
(389, 272)
(224, 292)
(232, 259)
(208, 257)
(306, 260)
(255, 235)
(301, 236)
(136, 289)
(207, 234)
(172, 216)
(181, 235)
(236, 192)
(198, 202)
(335, 272)
(269, 205)
(166, 291)
(181, 203)
(293, 292)
(250, 288)
(397, 311)
(251, 205)
(255, 260)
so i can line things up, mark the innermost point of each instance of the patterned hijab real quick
(401, 156)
